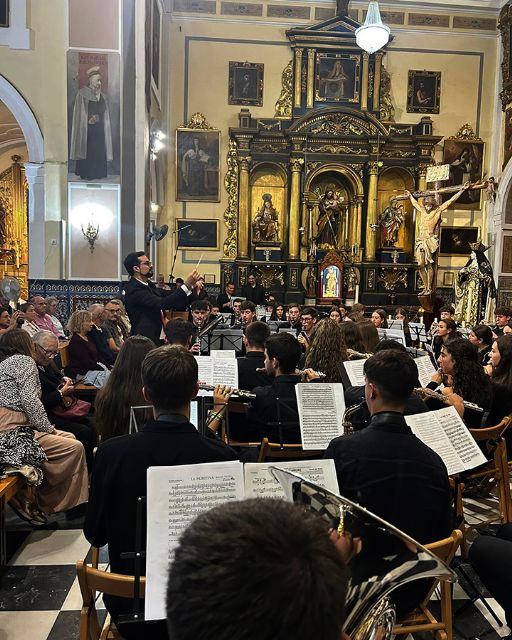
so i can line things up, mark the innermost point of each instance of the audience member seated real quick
(279, 312)
(122, 390)
(169, 381)
(388, 470)
(248, 313)
(110, 327)
(257, 569)
(52, 304)
(225, 300)
(57, 394)
(481, 337)
(352, 338)
(379, 319)
(123, 322)
(491, 558)
(82, 351)
(7, 320)
(463, 378)
(502, 315)
(501, 381)
(41, 318)
(182, 332)
(326, 350)
(65, 477)
(99, 336)
(369, 335)
(29, 315)
(273, 413)
(360, 418)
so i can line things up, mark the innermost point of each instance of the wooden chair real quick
(9, 487)
(64, 354)
(277, 451)
(422, 619)
(239, 409)
(114, 584)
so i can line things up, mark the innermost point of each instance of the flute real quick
(357, 354)
(297, 372)
(443, 398)
(236, 392)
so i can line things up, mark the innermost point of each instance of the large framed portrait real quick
(455, 241)
(4, 13)
(197, 234)
(337, 77)
(93, 98)
(466, 158)
(156, 44)
(507, 139)
(423, 91)
(197, 165)
(246, 83)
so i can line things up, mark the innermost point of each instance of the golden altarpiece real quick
(14, 225)
(333, 145)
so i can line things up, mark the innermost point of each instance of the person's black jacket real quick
(254, 294)
(248, 377)
(277, 420)
(222, 302)
(101, 342)
(144, 304)
(50, 380)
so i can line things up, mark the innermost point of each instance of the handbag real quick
(74, 409)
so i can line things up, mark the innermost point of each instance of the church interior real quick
(260, 138)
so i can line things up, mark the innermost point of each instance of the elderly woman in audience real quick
(481, 337)
(326, 350)
(57, 394)
(462, 374)
(65, 482)
(379, 319)
(52, 304)
(123, 389)
(352, 338)
(369, 335)
(82, 351)
(501, 380)
(29, 313)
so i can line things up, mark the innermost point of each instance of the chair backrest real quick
(492, 433)
(445, 550)
(64, 355)
(277, 451)
(113, 584)
(238, 409)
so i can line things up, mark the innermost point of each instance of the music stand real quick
(134, 425)
(226, 340)
(139, 558)
(418, 332)
(392, 334)
(396, 324)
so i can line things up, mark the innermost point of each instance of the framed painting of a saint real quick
(331, 282)
(337, 77)
(197, 165)
(197, 234)
(424, 92)
(466, 159)
(246, 83)
(507, 144)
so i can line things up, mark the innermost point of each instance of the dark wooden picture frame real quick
(423, 91)
(455, 241)
(197, 165)
(246, 83)
(337, 77)
(197, 235)
(466, 160)
(4, 13)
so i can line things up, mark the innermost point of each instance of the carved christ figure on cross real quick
(427, 241)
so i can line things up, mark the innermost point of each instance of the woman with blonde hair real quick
(326, 350)
(82, 352)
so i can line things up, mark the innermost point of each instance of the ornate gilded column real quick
(311, 78)
(243, 207)
(364, 85)
(371, 235)
(358, 218)
(298, 77)
(376, 81)
(293, 231)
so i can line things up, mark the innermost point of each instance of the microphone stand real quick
(178, 231)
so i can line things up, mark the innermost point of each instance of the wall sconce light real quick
(91, 232)
(156, 142)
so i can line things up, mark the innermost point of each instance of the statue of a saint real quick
(311, 283)
(390, 221)
(265, 226)
(427, 241)
(328, 223)
(475, 290)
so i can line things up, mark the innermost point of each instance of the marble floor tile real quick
(73, 600)
(66, 626)
(35, 588)
(26, 625)
(51, 548)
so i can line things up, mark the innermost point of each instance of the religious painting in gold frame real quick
(197, 235)
(423, 91)
(246, 83)
(337, 77)
(197, 165)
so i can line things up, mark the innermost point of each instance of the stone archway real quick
(34, 172)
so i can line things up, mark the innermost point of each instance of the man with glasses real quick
(145, 302)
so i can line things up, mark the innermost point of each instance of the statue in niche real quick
(328, 223)
(311, 283)
(390, 221)
(265, 226)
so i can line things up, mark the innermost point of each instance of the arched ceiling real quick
(11, 135)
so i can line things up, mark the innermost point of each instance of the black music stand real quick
(418, 332)
(226, 340)
(139, 557)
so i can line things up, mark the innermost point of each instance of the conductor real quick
(144, 301)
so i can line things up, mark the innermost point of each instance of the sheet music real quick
(321, 407)
(425, 370)
(176, 495)
(260, 483)
(216, 369)
(355, 373)
(392, 334)
(418, 331)
(445, 433)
